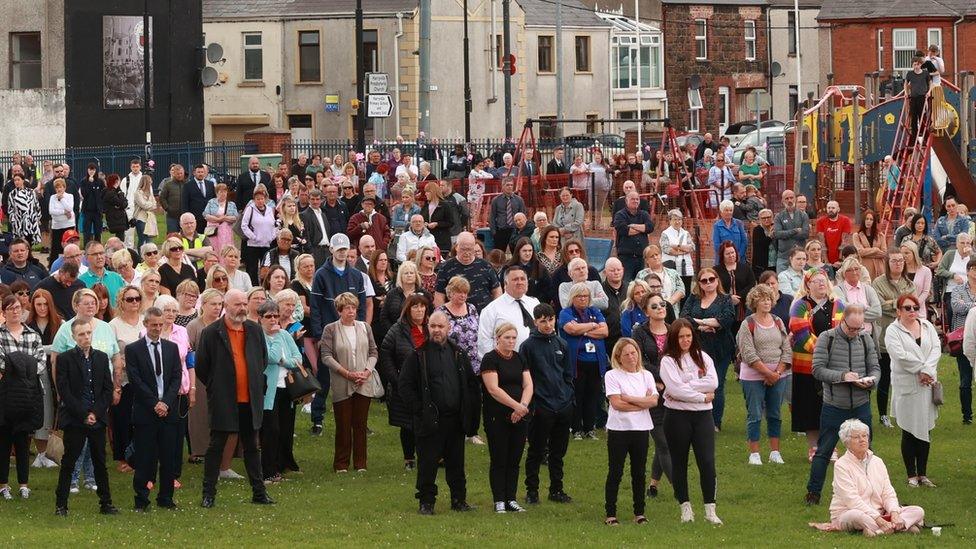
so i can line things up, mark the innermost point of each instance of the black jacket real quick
(393, 306)
(93, 196)
(652, 362)
(193, 201)
(552, 374)
(396, 347)
(21, 397)
(628, 244)
(31, 273)
(116, 218)
(444, 216)
(414, 389)
(526, 232)
(70, 381)
(336, 216)
(245, 187)
(142, 377)
(215, 367)
(313, 231)
(612, 314)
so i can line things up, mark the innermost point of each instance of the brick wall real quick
(270, 140)
(726, 64)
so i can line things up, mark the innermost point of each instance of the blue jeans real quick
(718, 405)
(759, 398)
(92, 227)
(172, 224)
(141, 233)
(965, 386)
(84, 464)
(632, 265)
(830, 419)
(319, 403)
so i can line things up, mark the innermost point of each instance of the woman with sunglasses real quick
(427, 260)
(43, 318)
(283, 357)
(174, 270)
(127, 325)
(915, 350)
(652, 337)
(150, 257)
(890, 286)
(656, 287)
(711, 311)
(218, 279)
(21, 290)
(814, 312)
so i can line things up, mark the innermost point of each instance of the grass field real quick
(761, 506)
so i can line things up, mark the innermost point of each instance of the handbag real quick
(673, 190)
(55, 443)
(938, 394)
(373, 387)
(954, 341)
(300, 384)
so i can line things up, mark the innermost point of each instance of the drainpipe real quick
(493, 67)
(396, 71)
(955, 47)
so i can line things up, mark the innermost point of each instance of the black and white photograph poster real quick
(122, 53)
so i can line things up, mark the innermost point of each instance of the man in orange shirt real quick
(230, 360)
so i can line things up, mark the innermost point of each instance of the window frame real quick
(318, 57)
(895, 49)
(17, 65)
(881, 49)
(653, 59)
(724, 108)
(750, 41)
(376, 51)
(792, 16)
(694, 120)
(587, 68)
(499, 51)
(250, 48)
(551, 69)
(928, 38)
(701, 39)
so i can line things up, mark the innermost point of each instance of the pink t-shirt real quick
(619, 382)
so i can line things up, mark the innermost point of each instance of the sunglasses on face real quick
(429, 258)
(133, 299)
(270, 316)
(220, 279)
(176, 249)
(910, 308)
(655, 306)
(151, 252)
(23, 293)
(708, 280)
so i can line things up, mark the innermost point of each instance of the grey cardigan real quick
(570, 218)
(337, 353)
(836, 354)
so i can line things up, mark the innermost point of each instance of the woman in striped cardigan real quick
(813, 312)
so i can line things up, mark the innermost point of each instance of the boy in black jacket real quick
(552, 404)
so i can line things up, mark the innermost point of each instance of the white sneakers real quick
(500, 507)
(687, 515)
(776, 457)
(229, 474)
(754, 459)
(710, 515)
(476, 440)
(5, 493)
(43, 462)
(24, 492)
(886, 421)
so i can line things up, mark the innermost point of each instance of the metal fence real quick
(223, 157)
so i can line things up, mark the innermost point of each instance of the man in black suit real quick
(232, 349)
(196, 194)
(557, 171)
(247, 181)
(84, 383)
(316, 227)
(155, 371)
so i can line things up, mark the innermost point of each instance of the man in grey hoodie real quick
(845, 360)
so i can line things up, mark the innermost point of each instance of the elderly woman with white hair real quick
(541, 221)
(728, 228)
(864, 498)
(584, 329)
(578, 274)
(677, 247)
(851, 288)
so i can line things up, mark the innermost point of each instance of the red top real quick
(833, 231)
(240, 362)
(417, 333)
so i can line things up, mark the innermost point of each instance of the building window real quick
(880, 49)
(625, 68)
(499, 51)
(253, 56)
(694, 99)
(750, 30)
(701, 39)
(935, 38)
(582, 54)
(694, 120)
(723, 109)
(545, 54)
(371, 49)
(547, 129)
(794, 102)
(25, 60)
(791, 31)
(591, 122)
(309, 61)
(903, 49)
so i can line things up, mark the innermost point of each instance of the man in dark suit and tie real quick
(196, 193)
(84, 383)
(230, 361)
(316, 227)
(154, 369)
(247, 181)
(557, 172)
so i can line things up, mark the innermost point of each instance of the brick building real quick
(724, 44)
(881, 35)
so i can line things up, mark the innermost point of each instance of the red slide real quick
(955, 168)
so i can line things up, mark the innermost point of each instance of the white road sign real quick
(377, 82)
(379, 105)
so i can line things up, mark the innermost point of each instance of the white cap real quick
(339, 241)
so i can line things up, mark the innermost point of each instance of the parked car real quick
(605, 140)
(757, 139)
(736, 132)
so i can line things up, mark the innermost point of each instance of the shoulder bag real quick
(301, 384)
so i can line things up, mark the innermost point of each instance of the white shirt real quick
(939, 64)
(325, 232)
(154, 346)
(401, 169)
(635, 384)
(409, 241)
(59, 209)
(503, 309)
(679, 237)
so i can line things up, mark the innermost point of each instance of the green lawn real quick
(760, 505)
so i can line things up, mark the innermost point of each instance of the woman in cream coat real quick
(349, 350)
(915, 350)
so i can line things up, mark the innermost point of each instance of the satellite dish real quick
(775, 69)
(208, 76)
(694, 81)
(215, 52)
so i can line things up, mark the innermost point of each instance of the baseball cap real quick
(339, 241)
(69, 235)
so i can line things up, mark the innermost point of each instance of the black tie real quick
(157, 358)
(203, 192)
(254, 176)
(526, 317)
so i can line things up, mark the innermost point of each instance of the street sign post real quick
(379, 105)
(377, 83)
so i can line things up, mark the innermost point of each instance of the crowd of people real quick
(182, 342)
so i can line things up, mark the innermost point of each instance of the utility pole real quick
(425, 66)
(559, 64)
(639, 117)
(856, 143)
(360, 81)
(507, 68)
(799, 63)
(146, 78)
(467, 79)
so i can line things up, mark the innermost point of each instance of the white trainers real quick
(833, 456)
(500, 507)
(513, 507)
(307, 409)
(74, 489)
(886, 421)
(43, 462)
(776, 457)
(710, 515)
(24, 492)
(754, 459)
(5, 493)
(687, 514)
(476, 440)
(229, 474)
(49, 463)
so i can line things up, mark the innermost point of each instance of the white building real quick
(636, 60)
(782, 39)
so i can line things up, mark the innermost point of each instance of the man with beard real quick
(835, 230)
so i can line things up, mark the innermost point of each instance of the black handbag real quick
(300, 384)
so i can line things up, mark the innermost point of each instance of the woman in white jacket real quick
(915, 350)
(61, 207)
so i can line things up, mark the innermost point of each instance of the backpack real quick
(751, 323)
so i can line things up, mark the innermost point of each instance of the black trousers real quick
(621, 444)
(157, 442)
(74, 441)
(474, 409)
(286, 432)
(447, 444)
(506, 441)
(915, 453)
(122, 424)
(501, 237)
(20, 441)
(686, 430)
(248, 438)
(915, 106)
(408, 443)
(548, 430)
(661, 463)
(251, 257)
(588, 394)
(183, 408)
(270, 437)
(884, 383)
